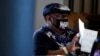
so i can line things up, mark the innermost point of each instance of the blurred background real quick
(20, 18)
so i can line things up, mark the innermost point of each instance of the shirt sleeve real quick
(40, 43)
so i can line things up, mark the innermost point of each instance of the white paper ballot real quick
(81, 29)
(87, 37)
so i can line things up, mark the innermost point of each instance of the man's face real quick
(60, 21)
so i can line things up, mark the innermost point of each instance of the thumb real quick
(76, 48)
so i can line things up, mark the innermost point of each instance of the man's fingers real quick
(73, 46)
(75, 39)
(76, 48)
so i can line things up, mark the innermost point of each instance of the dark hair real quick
(55, 8)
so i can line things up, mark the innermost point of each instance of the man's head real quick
(57, 15)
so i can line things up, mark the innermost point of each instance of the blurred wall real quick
(99, 7)
(86, 6)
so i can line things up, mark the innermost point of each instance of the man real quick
(54, 38)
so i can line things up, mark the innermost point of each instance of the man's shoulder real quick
(38, 32)
(38, 35)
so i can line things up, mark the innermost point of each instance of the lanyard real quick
(61, 39)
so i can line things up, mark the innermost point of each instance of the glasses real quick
(57, 15)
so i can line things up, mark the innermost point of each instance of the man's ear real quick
(48, 18)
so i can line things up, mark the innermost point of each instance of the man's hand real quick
(72, 47)
(63, 51)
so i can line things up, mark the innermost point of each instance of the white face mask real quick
(63, 25)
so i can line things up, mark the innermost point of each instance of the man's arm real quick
(56, 52)
(71, 48)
